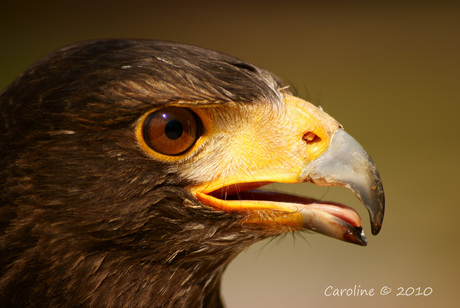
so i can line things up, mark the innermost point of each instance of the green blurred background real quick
(389, 72)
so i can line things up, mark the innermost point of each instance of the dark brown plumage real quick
(87, 218)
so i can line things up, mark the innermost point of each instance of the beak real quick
(311, 147)
(345, 163)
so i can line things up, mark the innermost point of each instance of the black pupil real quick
(174, 129)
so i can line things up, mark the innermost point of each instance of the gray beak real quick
(345, 163)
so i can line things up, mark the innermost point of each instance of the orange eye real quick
(171, 131)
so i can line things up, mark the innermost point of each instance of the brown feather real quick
(86, 218)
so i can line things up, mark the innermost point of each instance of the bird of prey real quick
(130, 174)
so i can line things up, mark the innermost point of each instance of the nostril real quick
(311, 137)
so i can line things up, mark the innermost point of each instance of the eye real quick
(172, 131)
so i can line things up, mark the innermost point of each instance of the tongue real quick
(340, 211)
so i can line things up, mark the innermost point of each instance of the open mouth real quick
(301, 213)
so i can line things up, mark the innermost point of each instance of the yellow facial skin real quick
(266, 146)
